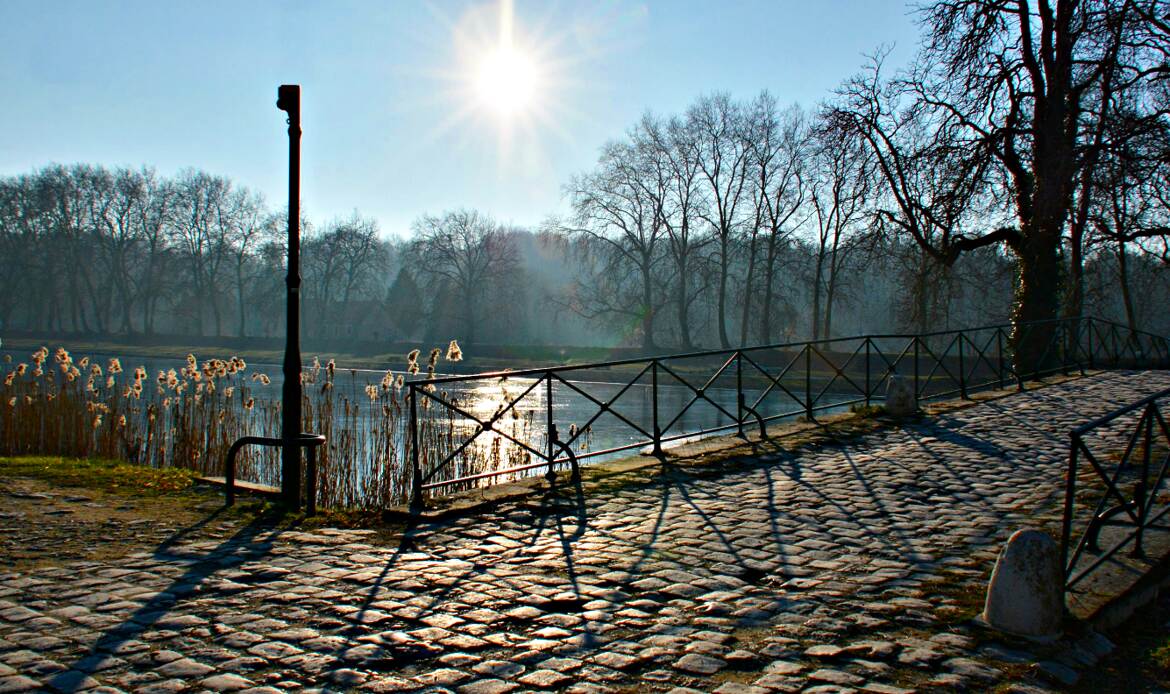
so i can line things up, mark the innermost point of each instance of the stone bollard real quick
(901, 400)
(1026, 593)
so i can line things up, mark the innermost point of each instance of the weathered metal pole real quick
(289, 100)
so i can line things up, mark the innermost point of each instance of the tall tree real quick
(779, 148)
(472, 253)
(347, 261)
(201, 223)
(720, 139)
(1000, 101)
(618, 212)
(840, 188)
(676, 185)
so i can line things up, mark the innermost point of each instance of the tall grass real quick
(189, 417)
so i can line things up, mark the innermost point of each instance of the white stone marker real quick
(901, 401)
(1026, 593)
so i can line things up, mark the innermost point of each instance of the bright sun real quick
(506, 81)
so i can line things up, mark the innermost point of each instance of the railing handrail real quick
(1120, 412)
(731, 351)
(945, 368)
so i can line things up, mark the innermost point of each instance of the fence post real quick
(1065, 341)
(917, 391)
(550, 428)
(657, 451)
(1016, 365)
(311, 482)
(808, 404)
(1070, 489)
(962, 369)
(867, 388)
(415, 467)
(1088, 344)
(999, 355)
(1080, 352)
(1141, 491)
(739, 391)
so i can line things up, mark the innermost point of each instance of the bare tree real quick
(348, 262)
(841, 174)
(779, 147)
(1001, 101)
(19, 238)
(618, 212)
(670, 180)
(250, 225)
(157, 257)
(720, 139)
(1129, 199)
(200, 224)
(469, 250)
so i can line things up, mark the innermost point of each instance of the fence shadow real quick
(251, 543)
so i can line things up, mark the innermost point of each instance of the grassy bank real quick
(100, 474)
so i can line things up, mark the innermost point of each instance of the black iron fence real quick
(544, 418)
(1116, 487)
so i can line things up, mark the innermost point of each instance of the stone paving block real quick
(837, 677)
(381, 685)
(700, 664)
(489, 686)
(544, 679)
(445, 677)
(184, 668)
(165, 687)
(741, 688)
(18, 683)
(880, 688)
(226, 682)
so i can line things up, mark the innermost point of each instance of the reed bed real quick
(54, 404)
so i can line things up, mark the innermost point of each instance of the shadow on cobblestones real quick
(163, 551)
(251, 543)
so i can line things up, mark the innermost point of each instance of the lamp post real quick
(289, 100)
(292, 439)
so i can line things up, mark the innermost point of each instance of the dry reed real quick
(54, 405)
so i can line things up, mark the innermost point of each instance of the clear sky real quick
(401, 116)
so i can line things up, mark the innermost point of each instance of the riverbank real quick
(355, 354)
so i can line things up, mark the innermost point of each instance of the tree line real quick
(1016, 169)
(96, 251)
(86, 249)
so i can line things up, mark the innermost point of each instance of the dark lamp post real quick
(289, 100)
(291, 438)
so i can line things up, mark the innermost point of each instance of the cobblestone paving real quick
(819, 573)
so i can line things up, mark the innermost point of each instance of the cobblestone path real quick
(841, 569)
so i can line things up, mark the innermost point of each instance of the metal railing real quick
(1128, 476)
(309, 442)
(732, 390)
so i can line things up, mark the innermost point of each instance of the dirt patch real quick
(48, 523)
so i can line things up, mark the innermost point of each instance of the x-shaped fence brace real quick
(1132, 490)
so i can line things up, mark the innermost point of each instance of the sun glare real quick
(506, 81)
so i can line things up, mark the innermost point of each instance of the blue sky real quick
(393, 126)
